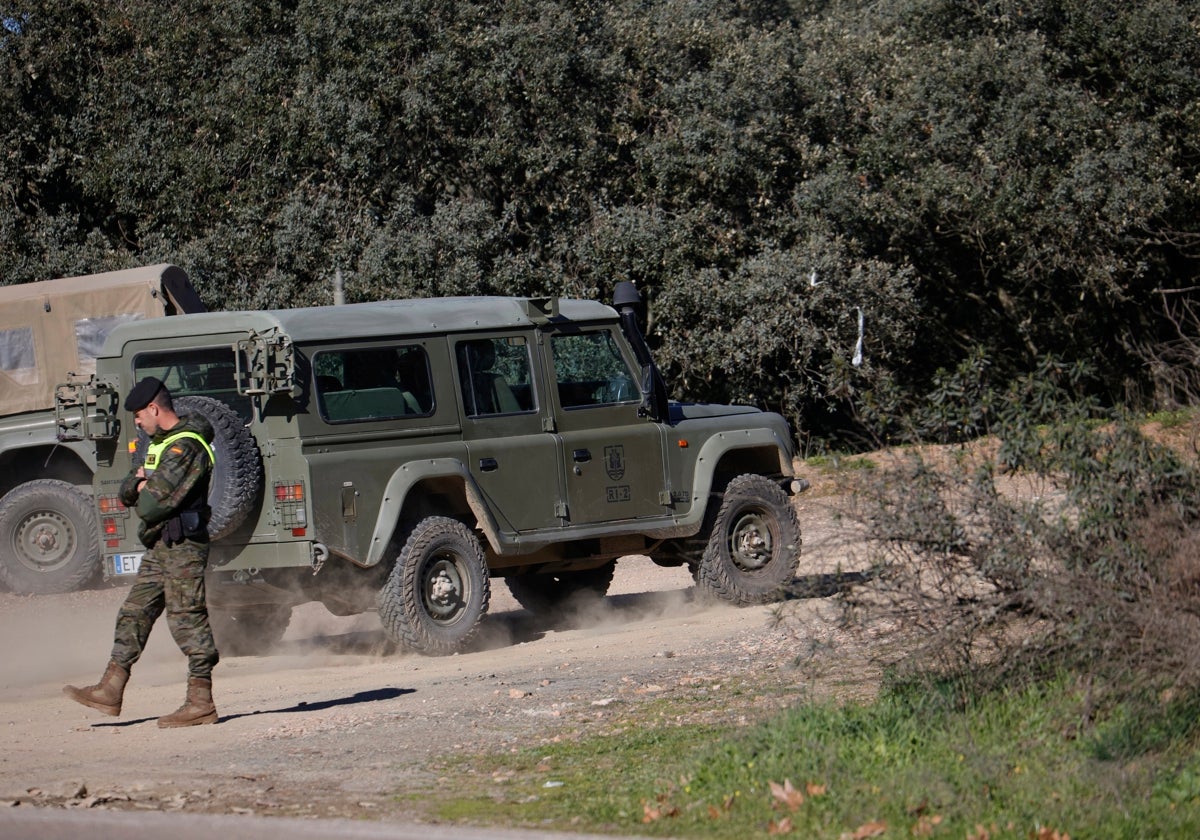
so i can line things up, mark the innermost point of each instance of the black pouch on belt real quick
(172, 532)
(192, 523)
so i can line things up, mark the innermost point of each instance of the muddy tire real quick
(439, 589)
(237, 479)
(49, 540)
(752, 546)
(248, 631)
(548, 594)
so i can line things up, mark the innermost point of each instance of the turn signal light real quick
(289, 492)
(110, 504)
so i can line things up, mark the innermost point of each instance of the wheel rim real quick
(45, 541)
(751, 541)
(444, 589)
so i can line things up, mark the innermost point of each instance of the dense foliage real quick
(1019, 176)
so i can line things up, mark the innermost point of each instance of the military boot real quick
(105, 696)
(198, 708)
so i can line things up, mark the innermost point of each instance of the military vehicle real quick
(400, 455)
(48, 538)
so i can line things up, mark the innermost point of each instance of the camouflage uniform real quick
(171, 575)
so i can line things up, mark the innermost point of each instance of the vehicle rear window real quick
(209, 372)
(373, 383)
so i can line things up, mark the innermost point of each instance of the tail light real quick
(289, 501)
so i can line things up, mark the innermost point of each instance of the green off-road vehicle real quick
(399, 455)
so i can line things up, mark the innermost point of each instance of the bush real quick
(1065, 539)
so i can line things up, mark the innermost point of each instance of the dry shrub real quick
(1066, 547)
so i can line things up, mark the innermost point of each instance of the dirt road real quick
(333, 724)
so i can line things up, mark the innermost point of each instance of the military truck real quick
(400, 455)
(48, 538)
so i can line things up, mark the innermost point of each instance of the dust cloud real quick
(66, 638)
(56, 639)
(640, 590)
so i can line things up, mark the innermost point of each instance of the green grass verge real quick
(913, 763)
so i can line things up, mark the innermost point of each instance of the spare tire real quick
(237, 478)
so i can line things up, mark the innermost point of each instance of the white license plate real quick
(125, 564)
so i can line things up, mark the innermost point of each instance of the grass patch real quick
(838, 463)
(917, 762)
(1177, 418)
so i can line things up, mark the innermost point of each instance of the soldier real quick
(170, 495)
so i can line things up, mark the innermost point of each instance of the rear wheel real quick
(439, 589)
(753, 543)
(49, 541)
(544, 594)
(248, 631)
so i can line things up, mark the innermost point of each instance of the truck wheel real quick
(49, 541)
(542, 594)
(237, 478)
(248, 631)
(753, 543)
(439, 589)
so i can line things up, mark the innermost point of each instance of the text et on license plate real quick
(125, 564)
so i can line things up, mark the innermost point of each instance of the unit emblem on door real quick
(614, 462)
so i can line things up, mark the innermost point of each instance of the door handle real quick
(488, 465)
(581, 456)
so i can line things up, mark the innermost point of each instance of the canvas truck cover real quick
(54, 327)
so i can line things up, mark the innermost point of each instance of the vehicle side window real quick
(496, 376)
(374, 383)
(209, 372)
(590, 370)
(18, 357)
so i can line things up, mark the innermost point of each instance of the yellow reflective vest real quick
(154, 450)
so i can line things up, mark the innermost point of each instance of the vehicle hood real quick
(696, 411)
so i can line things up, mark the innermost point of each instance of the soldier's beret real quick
(142, 393)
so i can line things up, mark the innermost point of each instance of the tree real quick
(1019, 177)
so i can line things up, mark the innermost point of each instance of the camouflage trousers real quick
(170, 579)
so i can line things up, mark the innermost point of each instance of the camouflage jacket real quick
(182, 477)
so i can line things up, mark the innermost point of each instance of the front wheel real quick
(753, 543)
(49, 541)
(439, 589)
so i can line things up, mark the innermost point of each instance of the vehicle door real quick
(377, 409)
(512, 458)
(613, 459)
